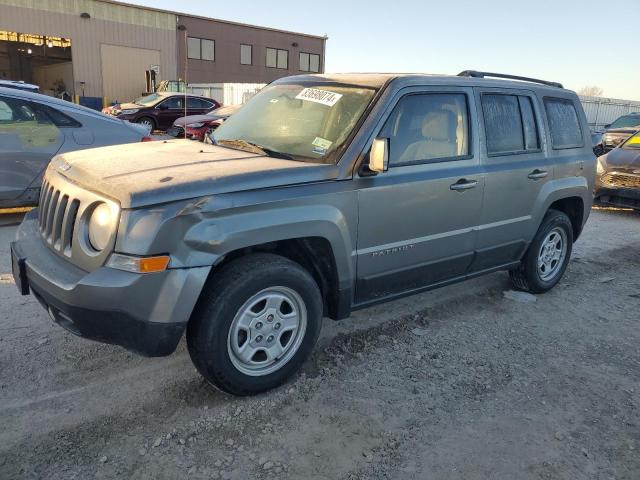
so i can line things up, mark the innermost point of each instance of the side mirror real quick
(607, 125)
(379, 156)
(162, 106)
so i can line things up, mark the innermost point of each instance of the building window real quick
(193, 48)
(277, 58)
(208, 50)
(201, 49)
(246, 53)
(309, 62)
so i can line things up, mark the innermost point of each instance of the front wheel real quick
(147, 122)
(256, 323)
(548, 255)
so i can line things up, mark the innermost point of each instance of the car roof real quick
(20, 85)
(51, 101)
(378, 80)
(180, 94)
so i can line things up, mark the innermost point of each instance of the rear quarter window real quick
(564, 125)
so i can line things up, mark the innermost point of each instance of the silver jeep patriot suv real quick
(323, 194)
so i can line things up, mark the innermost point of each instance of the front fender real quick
(201, 232)
(211, 239)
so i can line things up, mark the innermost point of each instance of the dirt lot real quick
(458, 383)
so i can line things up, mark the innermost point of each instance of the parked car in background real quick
(20, 85)
(158, 111)
(596, 143)
(322, 194)
(618, 175)
(621, 129)
(198, 126)
(34, 128)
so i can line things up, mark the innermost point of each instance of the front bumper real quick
(146, 314)
(616, 196)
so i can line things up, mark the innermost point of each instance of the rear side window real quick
(563, 123)
(59, 118)
(509, 123)
(198, 103)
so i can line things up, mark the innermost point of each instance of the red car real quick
(158, 111)
(198, 126)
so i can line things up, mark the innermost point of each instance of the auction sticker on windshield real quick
(319, 96)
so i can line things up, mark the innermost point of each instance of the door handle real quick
(538, 174)
(464, 184)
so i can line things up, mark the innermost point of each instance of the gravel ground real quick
(457, 383)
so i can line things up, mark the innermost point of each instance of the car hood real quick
(625, 130)
(156, 172)
(181, 122)
(623, 159)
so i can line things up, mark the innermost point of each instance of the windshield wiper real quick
(255, 148)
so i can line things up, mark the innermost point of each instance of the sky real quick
(576, 42)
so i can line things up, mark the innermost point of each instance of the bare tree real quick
(591, 91)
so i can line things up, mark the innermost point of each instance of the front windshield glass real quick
(147, 100)
(626, 121)
(301, 122)
(632, 142)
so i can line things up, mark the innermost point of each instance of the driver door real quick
(417, 219)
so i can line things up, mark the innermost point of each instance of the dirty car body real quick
(380, 201)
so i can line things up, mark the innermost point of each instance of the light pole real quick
(183, 28)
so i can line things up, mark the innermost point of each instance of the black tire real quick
(222, 298)
(526, 276)
(150, 120)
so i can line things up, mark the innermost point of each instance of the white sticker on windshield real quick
(319, 96)
(322, 143)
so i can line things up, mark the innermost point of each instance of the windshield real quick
(632, 142)
(147, 100)
(626, 121)
(301, 122)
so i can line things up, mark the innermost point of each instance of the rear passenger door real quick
(416, 220)
(517, 167)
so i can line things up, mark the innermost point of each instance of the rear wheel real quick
(548, 255)
(255, 325)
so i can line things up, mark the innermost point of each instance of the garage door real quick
(123, 71)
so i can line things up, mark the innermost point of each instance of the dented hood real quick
(162, 171)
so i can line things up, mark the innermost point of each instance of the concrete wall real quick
(228, 37)
(110, 24)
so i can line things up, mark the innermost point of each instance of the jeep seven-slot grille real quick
(57, 218)
(622, 180)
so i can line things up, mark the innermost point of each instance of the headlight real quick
(195, 125)
(599, 166)
(101, 226)
(128, 111)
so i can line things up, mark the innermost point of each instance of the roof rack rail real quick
(476, 74)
